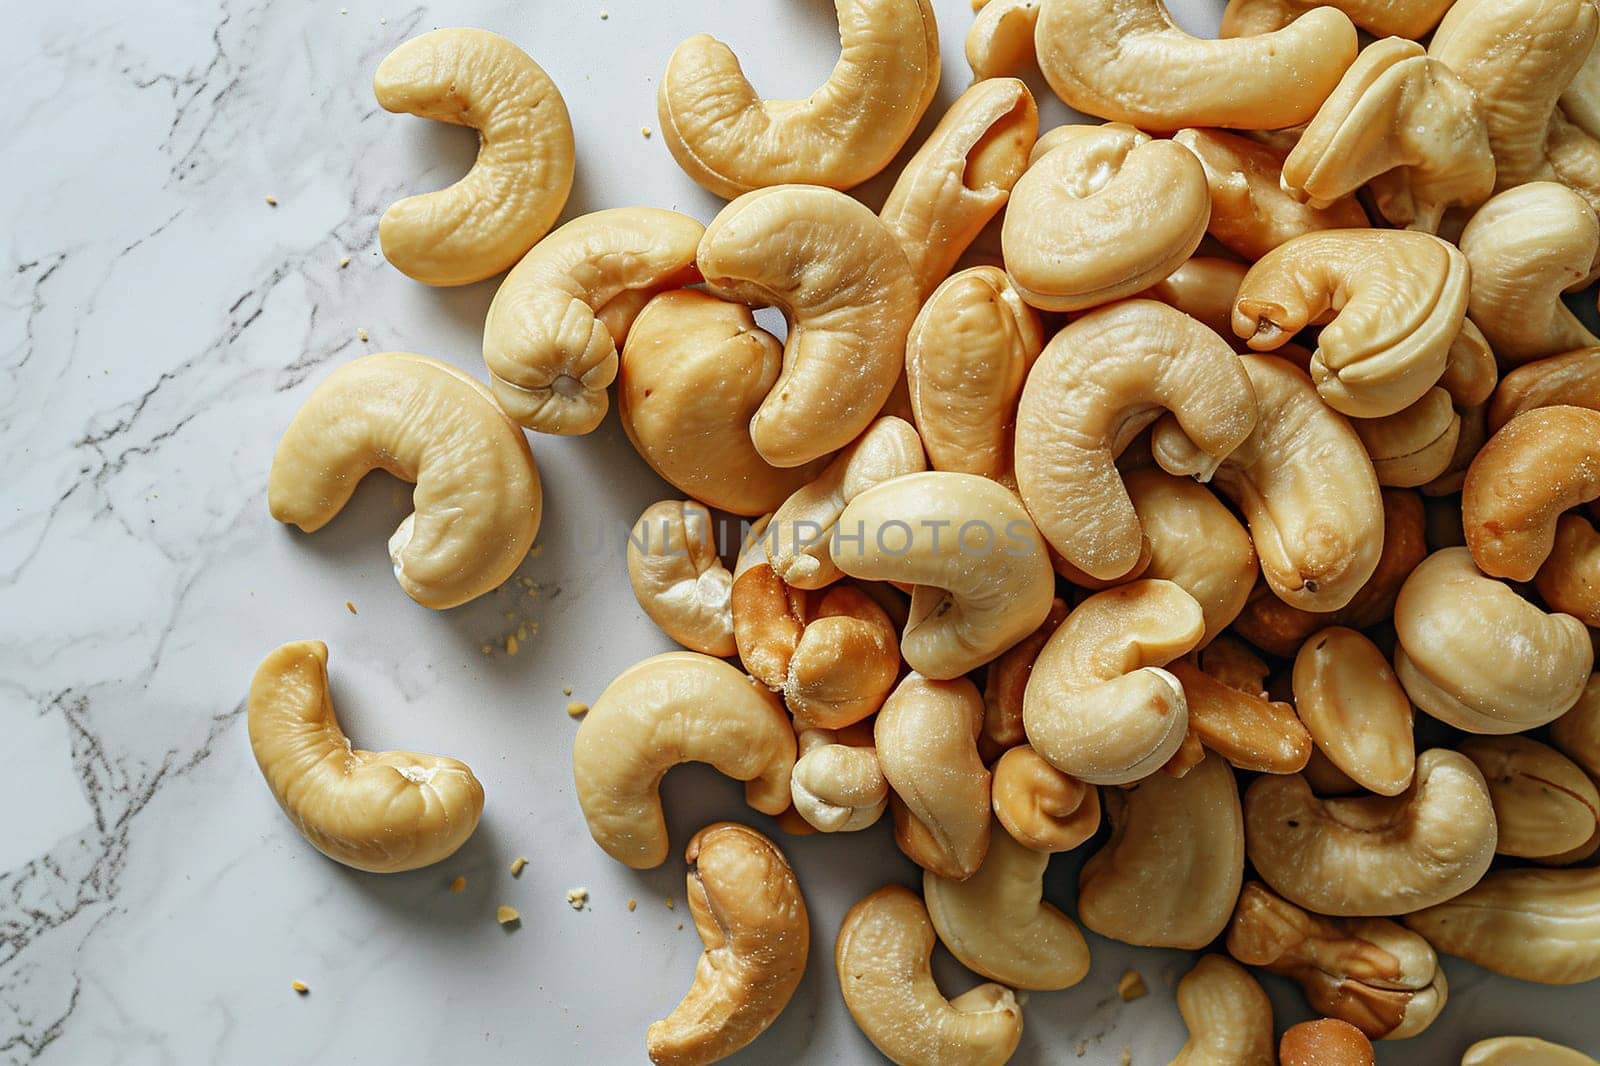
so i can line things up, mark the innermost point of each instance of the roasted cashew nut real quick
(1039, 806)
(846, 288)
(883, 959)
(837, 787)
(1569, 580)
(1204, 289)
(1523, 1051)
(678, 578)
(1381, 18)
(1228, 1016)
(1000, 40)
(1325, 1042)
(750, 915)
(1241, 724)
(549, 341)
(1570, 379)
(1544, 804)
(477, 499)
(731, 141)
(665, 710)
(1532, 924)
(379, 811)
(1004, 682)
(1356, 709)
(520, 181)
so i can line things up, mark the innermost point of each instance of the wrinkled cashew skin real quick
(378, 811)
(1228, 1016)
(519, 184)
(477, 498)
(1536, 925)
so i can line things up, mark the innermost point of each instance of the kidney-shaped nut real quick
(1102, 212)
(1533, 924)
(981, 574)
(1000, 39)
(513, 193)
(379, 811)
(678, 578)
(478, 499)
(1356, 709)
(1325, 1042)
(837, 788)
(1374, 855)
(1414, 445)
(1098, 383)
(1244, 727)
(669, 709)
(1544, 803)
(551, 335)
(846, 288)
(967, 355)
(1571, 379)
(998, 924)
(750, 915)
(1523, 1051)
(1170, 873)
(1127, 60)
(1577, 732)
(730, 141)
(1228, 1016)
(1039, 806)
(1196, 543)
(883, 958)
(1202, 288)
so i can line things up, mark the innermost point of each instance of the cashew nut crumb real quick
(300, 987)
(566, 690)
(522, 632)
(604, 14)
(577, 897)
(632, 903)
(1130, 986)
(351, 607)
(459, 884)
(361, 334)
(511, 644)
(645, 131)
(272, 201)
(1127, 1055)
(671, 905)
(506, 915)
(1083, 1048)
(516, 866)
(344, 261)
(488, 649)
(576, 709)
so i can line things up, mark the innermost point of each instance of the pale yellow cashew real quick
(1102, 212)
(837, 788)
(1580, 100)
(1204, 289)
(1532, 924)
(1196, 543)
(1523, 1051)
(665, 710)
(1126, 60)
(1414, 445)
(883, 958)
(1577, 732)
(1544, 803)
(1099, 382)
(1000, 40)
(550, 347)
(379, 811)
(1356, 709)
(750, 915)
(1470, 373)
(1228, 1016)
(730, 141)
(477, 498)
(679, 579)
(843, 283)
(1571, 379)
(1381, 18)
(517, 187)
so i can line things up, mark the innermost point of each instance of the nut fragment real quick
(927, 742)
(1356, 710)
(1571, 378)
(1041, 807)
(1244, 727)
(678, 578)
(1533, 924)
(1228, 1015)
(1000, 40)
(1130, 986)
(1544, 803)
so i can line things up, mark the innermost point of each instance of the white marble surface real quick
(160, 323)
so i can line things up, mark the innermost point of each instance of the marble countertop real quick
(160, 324)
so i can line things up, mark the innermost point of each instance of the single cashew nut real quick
(1414, 445)
(1470, 373)
(1041, 807)
(520, 181)
(1006, 680)
(731, 141)
(750, 915)
(1228, 1016)
(1204, 289)
(678, 578)
(1577, 732)
(665, 710)
(477, 499)
(1242, 725)
(550, 346)
(379, 811)
(883, 958)
(1000, 40)
(837, 788)
(1571, 379)
(1532, 924)
(1325, 1042)
(1523, 1051)
(1356, 709)
(843, 283)
(1381, 18)
(1544, 803)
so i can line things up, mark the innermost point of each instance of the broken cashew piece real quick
(1523, 1051)
(379, 811)
(1228, 1016)
(1536, 925)
(1544, 804)
(477, 499)
(1041, 807)
(837, 788)
(678, 578)
(1356, 709)
(517, 187)
(1414, 445)
(1000, 40)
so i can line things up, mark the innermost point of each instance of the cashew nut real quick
(1577, 732)
(1325, 1042)
(665, 710)
(520, 181)
(379, 811)
(1000, 40)
(1571, 379)
(1470, 374)
(1381, 18)
(1202, 288)
(477, 498)
(837, 787)
(1041, 807)
(1523, 1051)
(1241, 724)
(1544, 803)
(1356, 710)
(749, 912)
(1006, 680)
(1414, 445)
(1228, 1016)
(678, 578)
(1532, 924)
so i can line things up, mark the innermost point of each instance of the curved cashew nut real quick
(1414, 445)
(1381, 18)
(1099, 383)
(1101, 213)
(1127, 60)
(379, 811)
(1228, 1016)
(1000, 40)
(519, 184)
(749, 912)
(843, 283)
(478, 499)
(1039, 806)
(883, 958)
(1004, 682)
(1240, 723)
(678, 578)
(665, 710)
(1571, 379)
(961, 176)
(1569, 580)
(1577, 733)
(1373, 855)
(1523, 1051)
(1470, 372)
(1356, 709)
(550, 346)
(1097, 705)
(837, 788)
(1202, 288)
(1532, 924)
(979, 588)
(1544, 803)
(1304, 483)
(730, 141)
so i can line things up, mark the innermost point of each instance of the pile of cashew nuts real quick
(1266, 428)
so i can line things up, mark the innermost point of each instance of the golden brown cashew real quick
(1304, 483)
(665, 710)
(1414, 445)
(678, 578)
(1170, 874)
(1523, 1051)
(1356, 710)
(1543, 801)
(1536, 925)
(477, 499)
(1127, 60)
(749, 912)
(998, 924)
(1241, 724)
(882, 957)
(961, 176)
(1202, 288)
(550, 344)
(1000, 40)
(1569, 580)
(520, 181)
(1374, 855)
(1004, 682)
(1196, 543)
(1102, 212)
(967, 355)
(843, 283)
(1098, 383)
(1041, 807)
(837, 787)
(1577, 733)
(1571, 379)
(1381, 18)
(379, 811)
(1228, 1016)
(730, 141)
(1325, 1042)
